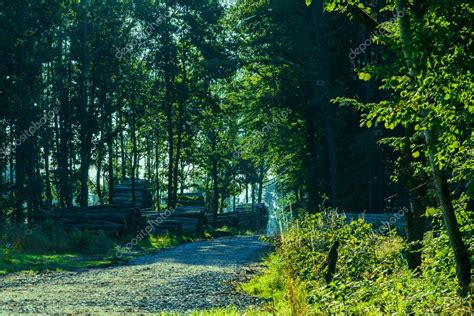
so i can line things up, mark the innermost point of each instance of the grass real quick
(232, 231)
(230, 311)
(372, 276)
(154, 243)
(20, 261)
(14, 261)
(38, 251)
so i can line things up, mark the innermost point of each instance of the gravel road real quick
(189, 277)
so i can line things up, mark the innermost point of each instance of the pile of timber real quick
(243, 217)
(124, 193)
(190, 199)
(115, 220)
(185, 220)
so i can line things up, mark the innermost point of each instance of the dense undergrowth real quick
(50, 247)
(371, 277)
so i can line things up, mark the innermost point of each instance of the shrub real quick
(372, 275)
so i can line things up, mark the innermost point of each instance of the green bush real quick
(371, 277)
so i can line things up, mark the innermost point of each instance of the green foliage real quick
(229, 311)
(156, 242)
(371, 276)
(51, 248)
(54, 239)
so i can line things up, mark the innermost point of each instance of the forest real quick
(310, 108)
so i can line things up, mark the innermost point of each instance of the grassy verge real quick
(14, 261)
(371, 276)
(53, 249)
(231, 231)
(230, 311)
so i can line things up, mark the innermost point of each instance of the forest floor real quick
(193, 276)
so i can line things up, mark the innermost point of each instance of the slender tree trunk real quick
(260, 181)
(176, 165)
(110, 156)
(157, 173)
(122, 148)
(49, 195)
(64, 134)
(99, 174)
(415, 227)
(84, 169)
(331, 140)
(246, 193)
(312, 178)
(170, 163)
(253, 197)
(461, 254)
(415, 221)
(215, 190)
(134, 152)
(463, 264)
(85, 129)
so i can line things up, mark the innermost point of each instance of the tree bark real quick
(461, 254)
(312, 177)
(110, 156)
(463, 264)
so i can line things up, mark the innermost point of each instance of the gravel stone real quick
(189, 277)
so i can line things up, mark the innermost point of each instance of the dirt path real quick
(189, 277)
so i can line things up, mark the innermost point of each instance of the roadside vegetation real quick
(51, 248)
(372, 276)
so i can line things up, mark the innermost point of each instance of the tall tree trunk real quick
(64, 132)
(134, 151)
(49, 195)
(20, 178)
(312, 176)
(86, 145)
(85, 129)
(415, 227)
(331, 141)
(176, 165)
(110, 156)
(170, 161)
(122, 148)
(246, 193)
(461, 254)
(415, 221)
(215, 190)
(261, 177)
(463, 264)
(157, 173)
(99, 173)
(253, 197)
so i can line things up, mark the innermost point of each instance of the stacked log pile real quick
(112, 219)
(190, 199)
(124, 193)
(187, 220)
(243, 217)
